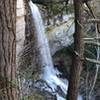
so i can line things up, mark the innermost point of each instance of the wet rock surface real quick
(60, 36)
(43, 88)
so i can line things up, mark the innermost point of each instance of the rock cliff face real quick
(20, 26)
(98, 5)
(60, 36)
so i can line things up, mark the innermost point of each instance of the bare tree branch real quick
(94, 20)
(92, 43)
(87, 59)
(92, 60)
(95, 38)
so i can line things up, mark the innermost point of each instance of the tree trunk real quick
(8, 50)
(76, 67)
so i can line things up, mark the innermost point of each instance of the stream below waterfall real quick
(50, 75)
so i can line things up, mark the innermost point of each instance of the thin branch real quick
(90, 9)
(92, 12)
(87, 59)
(92, 43)
(97, 66)
(87, 77)
(94, 20)
(92, 60)
(91, 53)
(95, 38)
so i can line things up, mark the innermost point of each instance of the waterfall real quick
(44, 55)
(41, 39)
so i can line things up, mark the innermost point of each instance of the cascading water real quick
(45, 60)
(41, 39)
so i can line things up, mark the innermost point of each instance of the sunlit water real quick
(45, 59)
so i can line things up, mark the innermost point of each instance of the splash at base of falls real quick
(50, 74)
